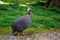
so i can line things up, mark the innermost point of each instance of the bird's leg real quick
(23, 34)
(18, 33)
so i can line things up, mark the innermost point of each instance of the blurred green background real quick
(41, 16)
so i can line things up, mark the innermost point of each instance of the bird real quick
(22, 22)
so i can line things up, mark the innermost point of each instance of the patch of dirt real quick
(36, 36)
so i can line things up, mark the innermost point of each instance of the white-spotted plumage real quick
(21, 23)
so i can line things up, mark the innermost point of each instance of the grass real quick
(42, 18)
(30, 30)
(5, 30)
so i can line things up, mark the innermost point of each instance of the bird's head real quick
(29, 9)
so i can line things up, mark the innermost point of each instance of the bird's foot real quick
(23, 34)
(18, 34)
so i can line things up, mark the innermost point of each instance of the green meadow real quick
(42, 18)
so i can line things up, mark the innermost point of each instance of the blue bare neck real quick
(29, 13)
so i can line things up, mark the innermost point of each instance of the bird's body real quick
(21, 23)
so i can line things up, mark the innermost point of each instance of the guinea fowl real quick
(21, 23)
